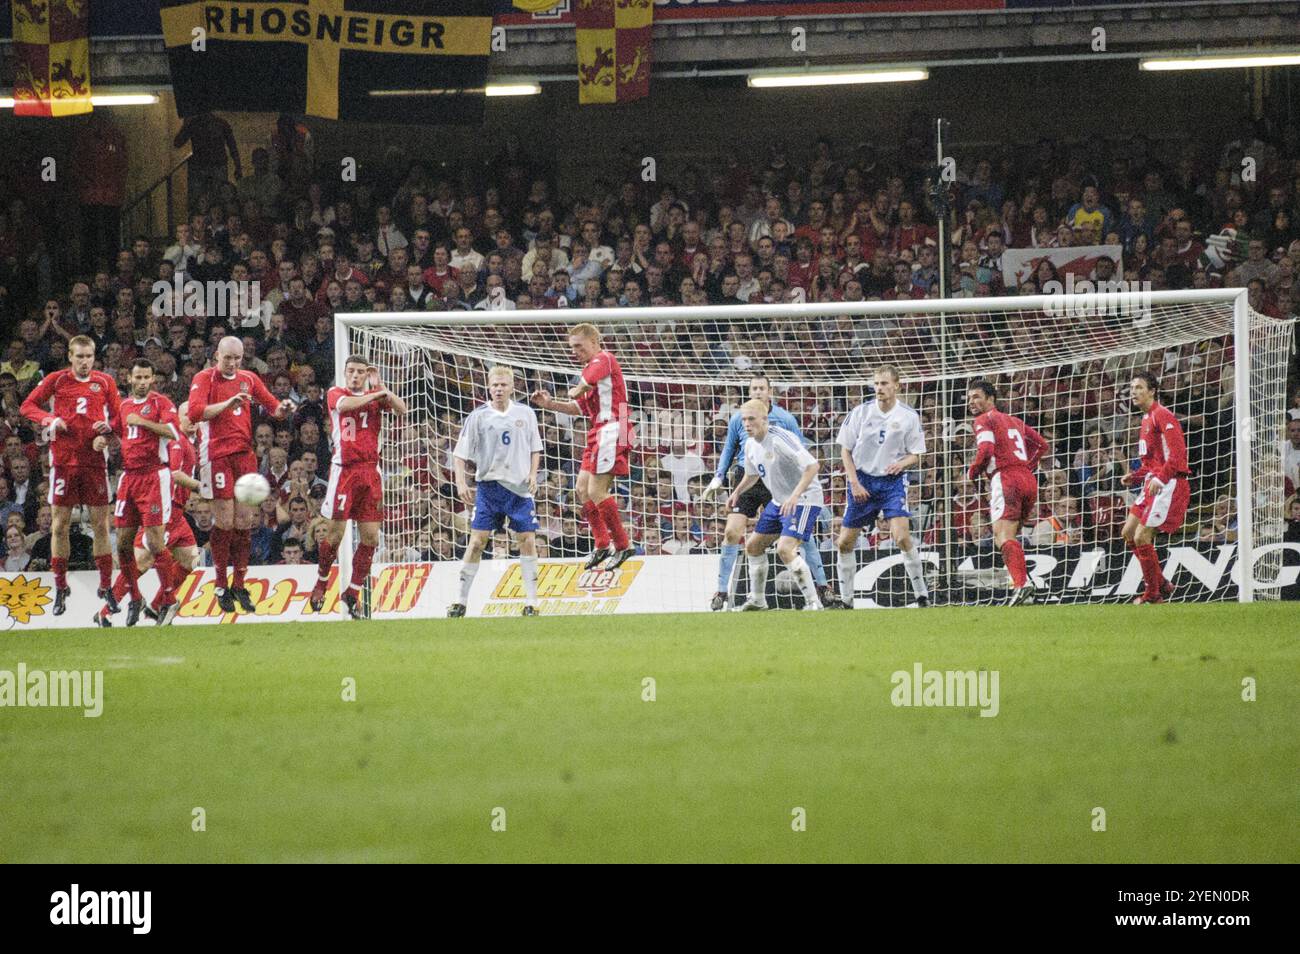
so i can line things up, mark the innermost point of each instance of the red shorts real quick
(79, 486)
(1013, 495)
(1165, 510)
(608, 450)
(356, 492)
(144, 499)
(217, 477)
(177, 535)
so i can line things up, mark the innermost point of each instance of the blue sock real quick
(730, 551)
(813, 557)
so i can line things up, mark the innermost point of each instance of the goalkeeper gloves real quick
(710, 490)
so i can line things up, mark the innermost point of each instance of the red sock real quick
(599, 531)
(166, 566)
(220, 544)
(104, 562)
(361, 565)
(1013, 555)
(128, 580)
(241, 548)
(326, 559)
(609, 510)
(60, 567)
(1151, 572)
(121, 586)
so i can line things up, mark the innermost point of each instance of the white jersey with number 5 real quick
(501, 444)
(877, 438)
(779, 460)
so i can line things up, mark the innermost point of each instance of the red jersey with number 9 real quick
(231, 431)
(355, 434)
(1004, 442)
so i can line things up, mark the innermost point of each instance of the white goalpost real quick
(1062, 362)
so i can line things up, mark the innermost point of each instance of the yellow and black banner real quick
(51, 57)
(613, 49)
(390, 61)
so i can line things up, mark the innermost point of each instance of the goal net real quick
(1062, 363)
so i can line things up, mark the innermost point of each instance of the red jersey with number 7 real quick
(231, 431)
(1161, 445)
(142, 449)
(1003, 442)
(607, 399)
(79, 404)
(355, 433)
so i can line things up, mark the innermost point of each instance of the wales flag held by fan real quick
(405, 61)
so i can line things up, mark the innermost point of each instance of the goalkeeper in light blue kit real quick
(505, 444)
(752, 501)
(778, 459)
(879, 441)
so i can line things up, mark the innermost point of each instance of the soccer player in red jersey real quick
(178, 538)
(1161, 507)
(602, 397)
(221, 400)
(356, 489)
(1007, 450)
(77, 410)
(144, 492)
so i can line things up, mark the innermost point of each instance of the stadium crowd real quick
(824, 222)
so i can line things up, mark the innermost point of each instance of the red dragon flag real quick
(613, 49)
(51, 57)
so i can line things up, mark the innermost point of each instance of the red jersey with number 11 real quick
(142, 449)
(355, 434)
(1003, 442)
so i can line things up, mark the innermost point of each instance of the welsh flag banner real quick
(51, 57)
(613, 49)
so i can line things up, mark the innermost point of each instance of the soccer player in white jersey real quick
(505, 444)
(783, 464)
(879, 442)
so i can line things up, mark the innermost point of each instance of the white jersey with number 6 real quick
(501, 444)
(779, 460)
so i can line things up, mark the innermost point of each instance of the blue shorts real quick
(799, 524)
(494, 505)
(888, 497)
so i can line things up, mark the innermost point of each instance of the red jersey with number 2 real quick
(79, 404)
(1003, 442)
(355, 434)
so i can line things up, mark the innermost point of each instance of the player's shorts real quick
(494, 506)
(144, 498)
(799, 524)
(79, 486)
(606, 453)
(1166, 510)
(887, 497)
(217, 477)
(356, 492)
(178, 535)
(1013, 495)
(753, 500)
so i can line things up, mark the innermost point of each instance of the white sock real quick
(848, 569)
(528, 566)
(735, 575)
(915, 572)
(803, 576)
(757, 578)
(467, 573)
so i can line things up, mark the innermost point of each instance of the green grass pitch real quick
(1135, 710)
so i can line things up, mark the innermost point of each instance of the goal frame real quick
(1127, 300)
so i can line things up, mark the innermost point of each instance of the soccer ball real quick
(786, 584)
(252, 489)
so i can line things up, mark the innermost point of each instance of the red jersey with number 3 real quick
(355, 434)
(79, 404)
(231, 431)
(1003, 442)
(142, 449)
(607, 399)
(1161, 444)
